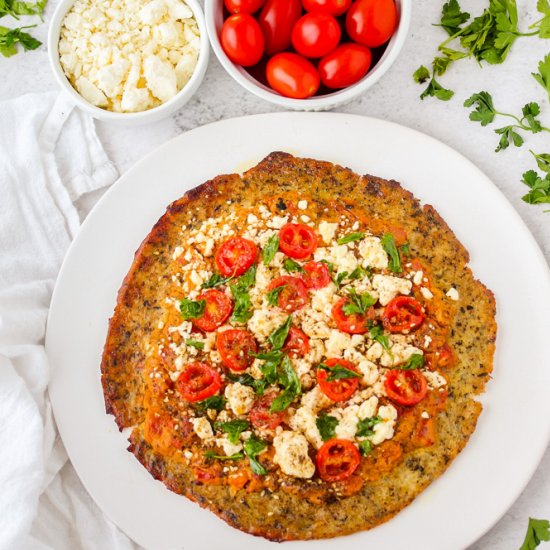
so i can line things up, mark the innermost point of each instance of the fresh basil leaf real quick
(350, 238)
(258, 385)
(273, 295)
(269, 356)
(338, 372)
(242, 308)
(216, 280)
(365, 447)
(215, 402)
(538, 530)
(292, 266)
(326, 425)
(270, 249)
(190, 309)
(366, 425)
(213, 456)
(358, 273)
(289, 379)
(330, 265)
(376, 332)
(252, 448)
(248, 278)
(415, 361)
(388, 244)
(405, 249)
(339, 278)
(233, 429)
(358, 303)
(278, 337)
(194, 343)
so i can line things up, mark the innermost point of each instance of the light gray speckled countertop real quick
(394, 98)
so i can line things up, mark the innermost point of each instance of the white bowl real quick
(214, 21)
(151, 115)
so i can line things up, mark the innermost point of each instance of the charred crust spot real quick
(281, 204)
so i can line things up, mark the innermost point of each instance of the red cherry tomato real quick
(242, 39)
(371, 22)
(216, 312)
(405, 387)
(355, 323)
(403, 313)
(262, 417)
(236, 347)
(198, 381)
(344, 66)
(316, 275)
(316, 34)
(297, 343)
(243, 6)
(337, 459)
(235, 256)
(294, 294)
(297, 240)
(276, 20)
(332, 7)
(292, 75)
(341, 389)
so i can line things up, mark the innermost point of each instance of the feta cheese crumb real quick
(240, 398)
(291, 454)
(302, 205)
(304, 420)
(202, 428)
(426, 293)
(452, 293)
(373, 253)
(385, 429)
(435, 380)
(389, 287)
(327, 231)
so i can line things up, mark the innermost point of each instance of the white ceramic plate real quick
(513, 430)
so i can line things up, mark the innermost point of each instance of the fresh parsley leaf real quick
(543, 76)
(291, 265)
(338, 372)
(415, 361)
(543, 160)
(376, 332)
(273, 295)
(543, 25)
(242, 309)
(15, 8)
(233, 429)
(358, 303)
(507, 135)
(538, 530)
(539, 188)
(365, 447)
(194, 343)
(388, 244)
(421, 75)
(190, 309)
(434, 89)
(216, 280)
(350, 238)
(291, 383)
(484, 111)
(326, 425)
(366, 425)
(452, 17)
(252, 448)
(278, 337)
(216, 402)
(270, 249)
(9, 38)
(213, 456)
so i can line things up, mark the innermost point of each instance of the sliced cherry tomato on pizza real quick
(198, 381)
(341, 389)
(337, 459)
(297, 240)
(297, 343)
(316, 34)
(276, 20)
(316, 275)
(294, 294)
(243, 6)
(371, 22)
(292, 75)
(403, 313)
(236, 347)
(405, 387)
(235, 256)
(216, 312)
(355, 323)
(334, 7)
(242, 39)
(261, 415)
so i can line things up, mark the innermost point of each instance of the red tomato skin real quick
(262, 417)
(403, 313)
(345, 66)
(292, 75)
(405, 387)
(235, 256)
(337, 390)
(206, 376)
(218, 309)
(354, 323)
(297, 343)
(243, 6)
(230, 342)
(316, 34)
(242, 39)
(371, 22)
(297, 240)
(332, 7)
(316, 275)
(294, 296)
(340, 454)
(277, 19)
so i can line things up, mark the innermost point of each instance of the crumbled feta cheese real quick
(389, 287)
(452, 293)
(276, 222)
(302, 205)
(426, 293)
(425, 414)
(400, 353)
(337, 342)
(367, 409)
(264, 321)
(240, 397)
(322, 299)
(347, 425)
(369, 371)
(375, 351)
(316, 400)
(291, 454)
(303, 421)
(373, 253)
(327, 231)
(202, 428)
(427, 341)
(340, 255)
(385, 429)
(417, 277)
(435, 380)
(228, 447)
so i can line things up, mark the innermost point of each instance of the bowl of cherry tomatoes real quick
(307, 54)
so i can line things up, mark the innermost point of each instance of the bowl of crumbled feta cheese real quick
(129, 60)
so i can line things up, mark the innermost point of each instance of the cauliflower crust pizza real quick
(298, 349)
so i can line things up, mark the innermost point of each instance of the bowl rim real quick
(160, 111)
(240, 75)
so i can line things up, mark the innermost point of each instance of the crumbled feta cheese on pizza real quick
(389, 287)
(322, 299)
(369, 370)
(399, 353)
(417, 277)
(202, 428)
(340, 255)
(228, 447)
(302, 205)
(367, 409)
(375, 351)
(435, 380)
(373, 253)
(452, 293)
(276, 222)
(425, 415)
(304, 420)
(426, 293)
(316, 400)
(264, 321)
(347, 425)
(240, 398)
(291, 454)
(385, 429)
(327, 231)
(337, 342)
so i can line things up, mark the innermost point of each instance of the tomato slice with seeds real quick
(236, 347)
(216, 312)
(337, 459)
(406, 387)
(297, 343)
(356, 323)
(294, 294)
(261, 416)
(235, 256)
(198, 381)
(297, 240)
(403, 313)
(316, 275)
(341, 389)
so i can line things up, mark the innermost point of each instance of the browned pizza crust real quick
(139, 309)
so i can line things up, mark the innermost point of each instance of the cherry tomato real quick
(243, 6)
(297, 240)
(371, 22)
(235, 256)
(276, 20)
(292, 75)
(344, 66)
(216, 312)
(242, 39)
(235, 347)
(337, 459)
(341, 389)
(316, 34)
(297, 343)
(198, 381)
(355, 323)
(332, 7)
(294, 294)
(262, 417)
(316, 275)
(403, 313)
(405, 387)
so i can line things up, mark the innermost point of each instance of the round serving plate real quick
(513, 430)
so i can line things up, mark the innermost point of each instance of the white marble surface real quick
(394, 98)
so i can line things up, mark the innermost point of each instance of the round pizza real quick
(298, 349)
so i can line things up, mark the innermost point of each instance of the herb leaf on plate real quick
(538, 530)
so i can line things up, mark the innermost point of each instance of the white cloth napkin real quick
(50, 157)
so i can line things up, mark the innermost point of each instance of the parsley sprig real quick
(539, 186)
(15, 8)
(543, 76)
(9, 38)
(538, 530)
